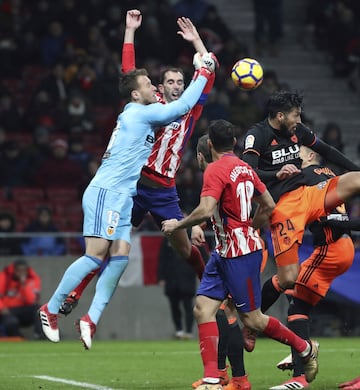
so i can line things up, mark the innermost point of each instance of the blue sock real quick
(73, 275)
(106, 286)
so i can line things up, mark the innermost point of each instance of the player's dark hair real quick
(283, 101)
(128, 82)
(170, 69)
(203, 148)
(221, 134)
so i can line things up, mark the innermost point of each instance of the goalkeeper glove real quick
(207, 60)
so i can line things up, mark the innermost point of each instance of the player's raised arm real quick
(189, 32)
(133, 22)
(187, 100)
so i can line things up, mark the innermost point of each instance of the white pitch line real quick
(74, 383)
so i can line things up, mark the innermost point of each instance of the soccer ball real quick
(247, 74)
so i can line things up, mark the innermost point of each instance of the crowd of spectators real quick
(59, 98)
(335, 24)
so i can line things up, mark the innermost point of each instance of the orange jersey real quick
(294, 211)
(15, 294)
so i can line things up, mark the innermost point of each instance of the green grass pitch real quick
(170, 365)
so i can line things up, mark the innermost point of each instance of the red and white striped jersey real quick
(233, 183)
(170, 141)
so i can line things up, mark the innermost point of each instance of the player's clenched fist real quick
(169, 226)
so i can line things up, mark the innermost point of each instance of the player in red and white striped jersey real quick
(229, 187)
(156, 188)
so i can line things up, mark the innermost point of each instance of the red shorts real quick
(294, 210)
(322, 267)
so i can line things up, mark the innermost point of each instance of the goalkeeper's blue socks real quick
(71, 278)
(106, 285)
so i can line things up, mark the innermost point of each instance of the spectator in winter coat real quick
(20, 289)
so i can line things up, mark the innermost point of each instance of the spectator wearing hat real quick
(59, 170)
(46, 245)
(20, 289)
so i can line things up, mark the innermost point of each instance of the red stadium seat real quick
(29, 208)
(20, 194)
(62, 194)
(9, 206)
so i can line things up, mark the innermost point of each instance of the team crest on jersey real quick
(287, 241)
(110, 230)
(249, 141)
(321, 185)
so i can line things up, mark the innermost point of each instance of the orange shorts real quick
(322, 267)
(295, 210)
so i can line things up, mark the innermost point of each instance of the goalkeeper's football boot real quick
(238, 383)
(87, 329)
(351, 385)
(49, 324)
(311, 366)
(70, 302)
(223, 376)
(286, 364)
(249, 337)
(297, 382)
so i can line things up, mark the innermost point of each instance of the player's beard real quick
(285, 130)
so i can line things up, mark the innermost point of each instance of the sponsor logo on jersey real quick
(149, 141)
(249, 141)
(173, 126)
(274, 142)
(285, 154)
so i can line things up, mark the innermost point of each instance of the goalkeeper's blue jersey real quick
(133, 138)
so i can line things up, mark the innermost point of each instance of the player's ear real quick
(135, 95)
(280, 115)
(161, 88)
